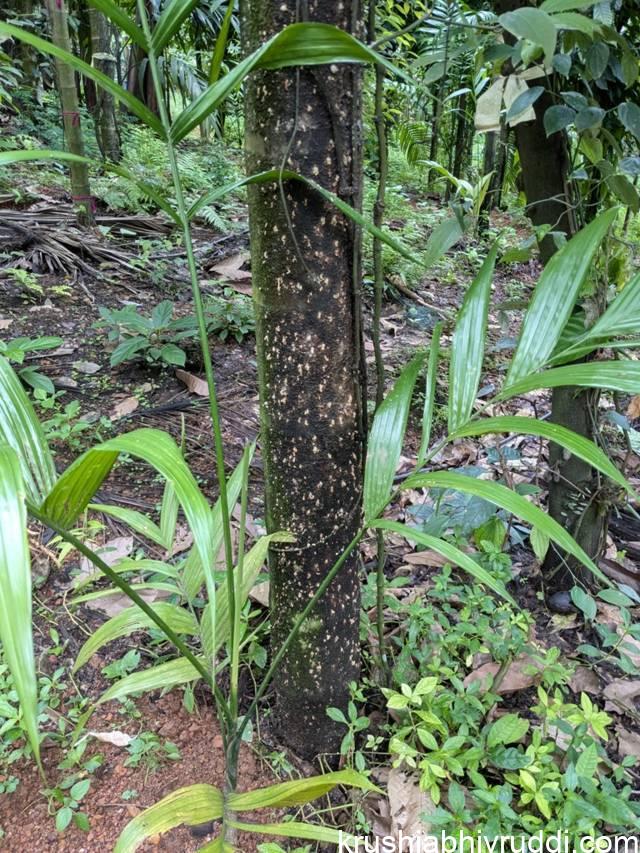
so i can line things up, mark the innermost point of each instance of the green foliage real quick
(17, 349)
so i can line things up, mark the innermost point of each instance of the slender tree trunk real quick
(306, 274)
(85, 50)
(80, 190)
(105, 111)
(574, 485)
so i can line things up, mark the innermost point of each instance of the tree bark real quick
(80, 190)
(105, 110)
(306, 275)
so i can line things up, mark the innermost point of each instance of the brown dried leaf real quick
(585, 680)
(628, 742)
(516, 677)
(125, 407)
(194, 384)
(88, 367)
(230, 268)
(5, 323)
(425, 558)
(408, 806)
(621, 694)
(260, 593)
(633, 409)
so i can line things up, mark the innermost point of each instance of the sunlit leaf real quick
(163, 676)
(298, 791)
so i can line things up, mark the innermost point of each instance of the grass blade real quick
(612, 375)
(15, 592)
(298, 791)
(467, 350)
(161, 677)
(429, 394)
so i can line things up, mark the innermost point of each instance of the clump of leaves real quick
(154, 338)
(18, 349)
(230, 315)
(30, 288)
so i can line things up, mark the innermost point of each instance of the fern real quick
(411, 137)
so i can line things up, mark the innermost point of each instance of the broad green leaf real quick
(133, 619)
(163, 676)
(429, 393)
(445, 235)
(192, 806)
(137, 521)
(121, 19)
(21, 430)
(584, 602)
(558, 117)
(168, 516)
(386, 438)
(194, 571)
(507, 729)
(587, 762)
(554, 297)
(513, 503)
(119, 93)
(551, 6)
(576, 21)
(15, 592)
(298, 791)
(275, 175)
(534, 25)
(612, 375)
(448, 551)
(467, 350)
(298, 44)
(173, 15)
(576, 444)
(79, 482)
(253, 562)
(296, 829)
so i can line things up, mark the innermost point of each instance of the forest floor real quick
(187, 744)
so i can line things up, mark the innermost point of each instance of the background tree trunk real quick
(105, 112)
(306, 274)
(80, 189)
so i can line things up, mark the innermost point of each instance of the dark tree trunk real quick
(573, 487)
(105, 111)
(461, 134)
(305, 264)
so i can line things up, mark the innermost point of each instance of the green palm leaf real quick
(612, 375)
(554, 297)
(121, 19)
(467, 350)
(15, 592)
(298, 792)
(163, 676)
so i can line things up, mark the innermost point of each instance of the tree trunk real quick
(80, 190)
(573, 487)
(306, 274)
(105, 111)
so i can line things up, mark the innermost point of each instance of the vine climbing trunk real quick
(80, 190)
(306, 276)
(574, 487)
(105, 109)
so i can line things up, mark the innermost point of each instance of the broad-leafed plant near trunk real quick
(29, 484)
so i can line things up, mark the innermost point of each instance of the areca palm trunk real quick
(105, 109)
(306, 276)
(80, 189)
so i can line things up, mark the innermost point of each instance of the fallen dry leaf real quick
(628, 742)
(194, 384)
(516, 677)
(633, 409)
(408, 806)
(88, 367)
(425, 558)
(260, 593)
(125, 407)
(111, 552)
(231, 268)
(621, 694)
(116, 602)
(5, 322)
(116, 738)
(64, 382)
(585, 680)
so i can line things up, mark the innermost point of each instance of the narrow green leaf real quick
(448, 551)
(156, 567)
(274, 175)
(221, 44)
(173, 15)
(133, 619)
(119, 93)
(430, 393)
(622, 317)
(103, 592)
(297, 44)
(467, 350)
(551, 6)
(612, 375)
(21, 430)
(574, 443)
(168, 516)
(512, 502)
(164, 676)
(554, 297)
(192, 806)
(386, 438)
(298, 791)
(297, 829)
(121, 19)
(445, 235)
(15, 592)
(137, 521)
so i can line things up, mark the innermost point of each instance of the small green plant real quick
(28, 284)
(155, 337)
(65, 424)
(123, 666)
(65, 800)
(18, 349)
(147, 750)
(230, 315)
